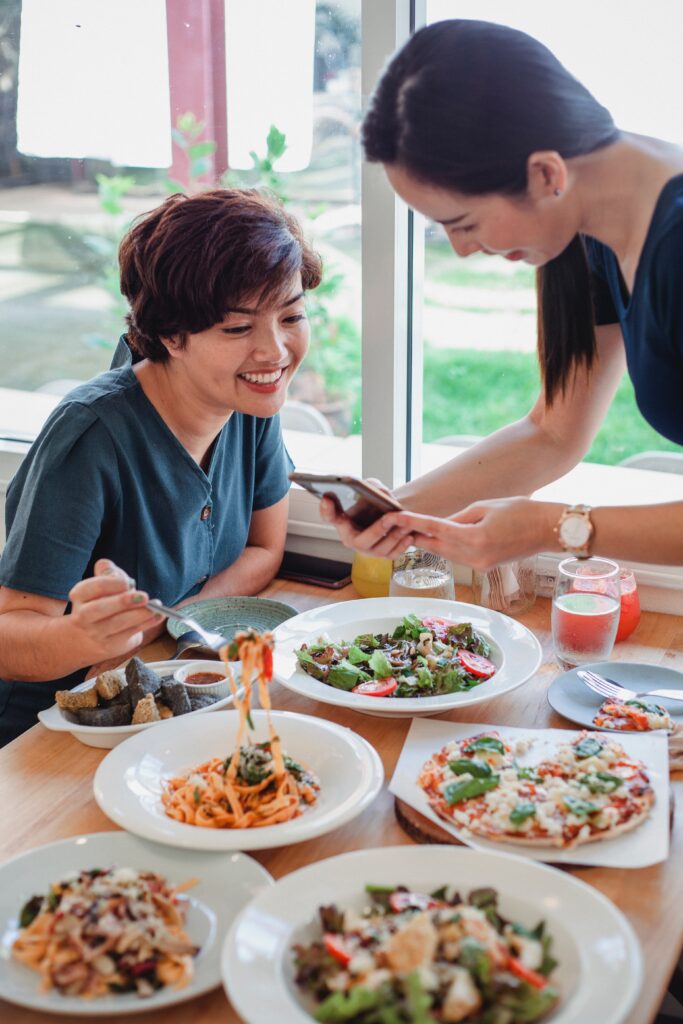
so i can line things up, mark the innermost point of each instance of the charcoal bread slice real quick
(174, 695)
(202, 700)
(118, 714)
(141, 680)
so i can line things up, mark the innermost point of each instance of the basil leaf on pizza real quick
(468, 788)
(485, 743)
(587, 748)
(471, 766)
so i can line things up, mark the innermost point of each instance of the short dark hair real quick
(190, 260)
(462, 106)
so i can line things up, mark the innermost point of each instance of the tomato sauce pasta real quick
(257, 785)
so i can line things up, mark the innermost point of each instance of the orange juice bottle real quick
(371, 576)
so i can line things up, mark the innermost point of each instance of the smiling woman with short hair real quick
(167, 475)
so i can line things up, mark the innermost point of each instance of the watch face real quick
(575, 531)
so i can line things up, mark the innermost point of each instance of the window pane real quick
(480, 368)
(66, 200)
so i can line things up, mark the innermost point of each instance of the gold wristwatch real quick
(575, 530)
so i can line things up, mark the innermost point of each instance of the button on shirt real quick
(106, 478)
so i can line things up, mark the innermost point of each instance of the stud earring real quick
(557, 192)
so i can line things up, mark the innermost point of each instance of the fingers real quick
(428, 526)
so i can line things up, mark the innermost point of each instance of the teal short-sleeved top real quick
(106, 478)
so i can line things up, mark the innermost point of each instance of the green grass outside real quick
(467, 392)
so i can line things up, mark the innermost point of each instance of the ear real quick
(172, 344)
(546, 174)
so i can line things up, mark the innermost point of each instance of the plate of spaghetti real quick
(110, 924)
(243, 779)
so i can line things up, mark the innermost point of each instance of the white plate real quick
(569, 696)
(514, 650)
(128, 782)
(599, 973)
(225, 884)
(109, 735)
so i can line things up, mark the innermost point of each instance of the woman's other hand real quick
(109, 617)
(379, 539)
(485, 533)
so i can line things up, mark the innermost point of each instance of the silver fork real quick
(609, 688)
(213, 640)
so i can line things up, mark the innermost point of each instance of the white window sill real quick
(22, 414)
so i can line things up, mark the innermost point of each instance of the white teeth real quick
(262, 378)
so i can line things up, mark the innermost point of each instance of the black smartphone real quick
(321, 572)
(360, 501)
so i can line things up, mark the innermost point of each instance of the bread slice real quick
(72, 700)
(109, 685)
(146, 711)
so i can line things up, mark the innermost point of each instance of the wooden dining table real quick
(48, 782)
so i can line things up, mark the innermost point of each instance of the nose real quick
(271, 345)
(464, 246)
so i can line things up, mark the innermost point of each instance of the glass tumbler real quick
(509, 588)
(586, 608)
(419, 573)
(630, 605)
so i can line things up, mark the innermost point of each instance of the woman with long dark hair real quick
(480, 128)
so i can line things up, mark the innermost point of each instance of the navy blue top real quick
(651, 318)
(106, 478)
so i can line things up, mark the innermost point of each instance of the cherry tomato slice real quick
(268, 663)
(476, 665)
(334, 945)
(400, 901)
(376, 687)
(516, 967)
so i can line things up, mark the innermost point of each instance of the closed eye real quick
(235, 330)
(295, 319)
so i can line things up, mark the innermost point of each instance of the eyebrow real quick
(453, 220)
(252, 312)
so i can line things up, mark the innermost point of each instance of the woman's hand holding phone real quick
(378, 539)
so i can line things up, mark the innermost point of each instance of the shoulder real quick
(81, 417)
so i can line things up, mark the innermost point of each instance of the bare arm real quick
(260, 560)
(530, 453)
(39, 642)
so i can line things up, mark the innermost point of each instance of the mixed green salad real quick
(423, 657)
(413, 958)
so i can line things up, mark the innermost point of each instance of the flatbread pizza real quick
(587, 790)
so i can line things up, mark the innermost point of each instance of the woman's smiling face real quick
(245, 362)
(515, 227)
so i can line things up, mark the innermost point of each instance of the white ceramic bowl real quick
(219, 688)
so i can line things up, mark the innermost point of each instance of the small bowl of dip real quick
(203, 677)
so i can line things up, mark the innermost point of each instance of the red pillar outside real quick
(196, 60)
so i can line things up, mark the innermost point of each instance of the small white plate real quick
(129, 781)
(514, 650)
(109, 735)
(225, 883)
(600, 969)
(569, 696)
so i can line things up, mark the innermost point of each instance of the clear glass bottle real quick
(508, 588)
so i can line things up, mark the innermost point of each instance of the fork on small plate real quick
(213, 640)
(610, 688)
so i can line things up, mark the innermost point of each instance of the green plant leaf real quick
(200, 149)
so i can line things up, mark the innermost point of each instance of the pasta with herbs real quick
(257, 785)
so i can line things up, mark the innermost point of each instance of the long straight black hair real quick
(462, 106)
